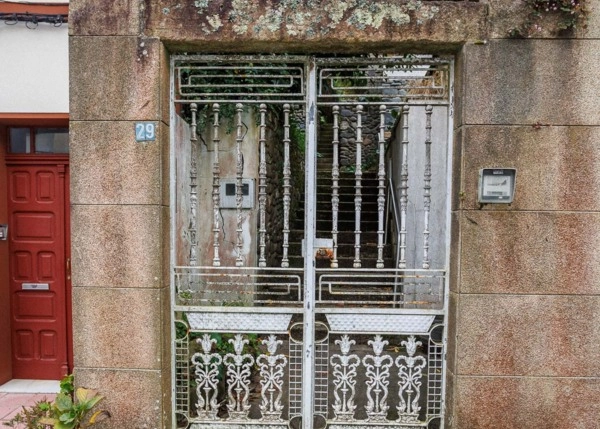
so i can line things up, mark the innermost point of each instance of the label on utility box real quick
(496, 185)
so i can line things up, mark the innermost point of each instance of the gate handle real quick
(68, 268)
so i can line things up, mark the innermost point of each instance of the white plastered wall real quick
(34, 69)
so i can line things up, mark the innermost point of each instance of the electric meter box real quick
(228, 193)
(497, 185)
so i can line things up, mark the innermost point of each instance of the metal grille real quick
(383, 80)
(435, 373)
(295, 391)
(236, 79)
(288, 298)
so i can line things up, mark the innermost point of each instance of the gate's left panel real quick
(237, 221)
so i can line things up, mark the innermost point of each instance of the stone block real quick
(270, 26)
(532, 335)
(513, 402)
(165, 164)
(114, 78)
(530, 253)
(93, 18)
(134, 398)
(558, 168)
(165, 84)
(117, 328)
(117, 246)
(108, 166)
(521, 81)
(454, 272)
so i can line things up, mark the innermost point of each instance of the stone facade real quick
(525, 291)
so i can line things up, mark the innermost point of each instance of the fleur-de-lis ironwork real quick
(271, 371)
(207, 378)
(409, 375)
(378, 373)
(238, 379)
(344, 373)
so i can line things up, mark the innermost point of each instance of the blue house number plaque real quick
(145, 131)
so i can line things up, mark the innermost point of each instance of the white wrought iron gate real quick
(310, 201)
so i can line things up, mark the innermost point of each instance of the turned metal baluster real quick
(357, 187)
(193, 228)
(239, 261)
(335, 186)
(403, 188)
(216, 184)
(262, 187)
(427, 187)
(381, 188)
(287, 173)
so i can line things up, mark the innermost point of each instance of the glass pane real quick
(52, 140)
(20, 140)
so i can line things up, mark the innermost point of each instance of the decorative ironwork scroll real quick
(378, 372)
(410, 374)
(344, 382)
(238, 379)
(207, 378)
(271, 371)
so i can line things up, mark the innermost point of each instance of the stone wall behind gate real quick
(525, 306)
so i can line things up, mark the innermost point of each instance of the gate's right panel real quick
(382, 209)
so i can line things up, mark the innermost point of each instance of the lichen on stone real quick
(311, 17)
(215, 22)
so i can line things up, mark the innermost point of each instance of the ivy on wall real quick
(557, 17)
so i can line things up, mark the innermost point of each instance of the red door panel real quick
(36, 205)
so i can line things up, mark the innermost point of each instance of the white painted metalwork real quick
(381, 187)
(272, 371)
(403, 188)
(207, 378)
(427, 187)
(239, 108)
(287, 172)
(193, 188)
(410, 374)
(335, 186)
(357, 187)
(310, 188)
(238, 379)
(262, 186)
(216, 195)
(378, 373)
(268, 330)
(344, 380)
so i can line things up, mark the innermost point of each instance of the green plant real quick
(30, 417)
(568, 15)
(69, 410)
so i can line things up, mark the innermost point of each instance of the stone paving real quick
(12, 403)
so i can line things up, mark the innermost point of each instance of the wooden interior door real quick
(37, 201)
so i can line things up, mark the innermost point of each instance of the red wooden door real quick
(38, 215)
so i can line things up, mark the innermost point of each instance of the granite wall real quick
(525, 301)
